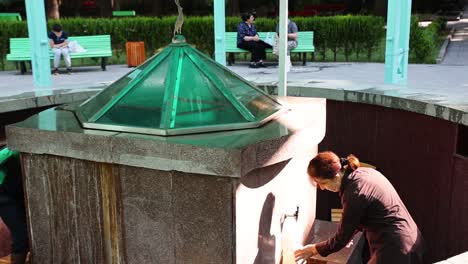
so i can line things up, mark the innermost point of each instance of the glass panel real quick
(256, 102)
(108, 94)
(104, 97)
(204, 94)
(200, 103)
(141, 107)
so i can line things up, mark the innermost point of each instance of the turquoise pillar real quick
(397, 41)
(219, 29)
(37, 28)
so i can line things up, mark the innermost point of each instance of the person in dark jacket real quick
(248, 39)
(370, 204)
(58, 41)
(12, 210)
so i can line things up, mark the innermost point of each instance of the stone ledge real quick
(231, 153)
(385, 96)
(380, 97)
(31, 100)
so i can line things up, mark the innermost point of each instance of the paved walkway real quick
(15, 85)
(439, 85)
(443, 83)
(457, 52)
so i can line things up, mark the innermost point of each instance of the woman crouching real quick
(370, 204)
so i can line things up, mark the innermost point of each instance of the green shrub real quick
(423, 41)
(441, 23)
(10, 29)
(339, 34)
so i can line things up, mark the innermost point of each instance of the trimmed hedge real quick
(10, 29)
(340, 34)
(423, 41)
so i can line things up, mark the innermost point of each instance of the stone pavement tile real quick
(457, 51)
(444, 85)
(13, 83)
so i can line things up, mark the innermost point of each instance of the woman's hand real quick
(306, 252)
(251, 38)
(292, 36)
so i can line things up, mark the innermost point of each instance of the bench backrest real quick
(90, 43)
(20, 45)
(124, 13)
(305, 41)
(231, 40)
(94, 43)
(10, 16)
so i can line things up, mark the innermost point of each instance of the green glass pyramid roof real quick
(178, 91)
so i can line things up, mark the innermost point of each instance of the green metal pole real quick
(37, 28)
(283, 48)
(220, 28)
(397, 41)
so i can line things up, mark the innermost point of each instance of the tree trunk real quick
(235, 7)
(53, 9)
(354, 6)
(105, 7)
(76, 7)
(380, 8)
(156, 8)
(116, 4)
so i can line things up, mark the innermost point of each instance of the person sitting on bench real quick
(12, 210)
(292, 37)
(248, 39)
(58, 40)
(370, 204)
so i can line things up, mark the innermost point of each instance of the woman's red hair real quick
(327, 164)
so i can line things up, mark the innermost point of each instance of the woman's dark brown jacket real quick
(371, 204)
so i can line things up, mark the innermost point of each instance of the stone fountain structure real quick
(179, 161)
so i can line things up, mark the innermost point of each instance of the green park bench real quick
(305, 44)
(10, 17)
(98, 46)
(123, 13)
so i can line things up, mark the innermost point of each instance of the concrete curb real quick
(444, 48)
